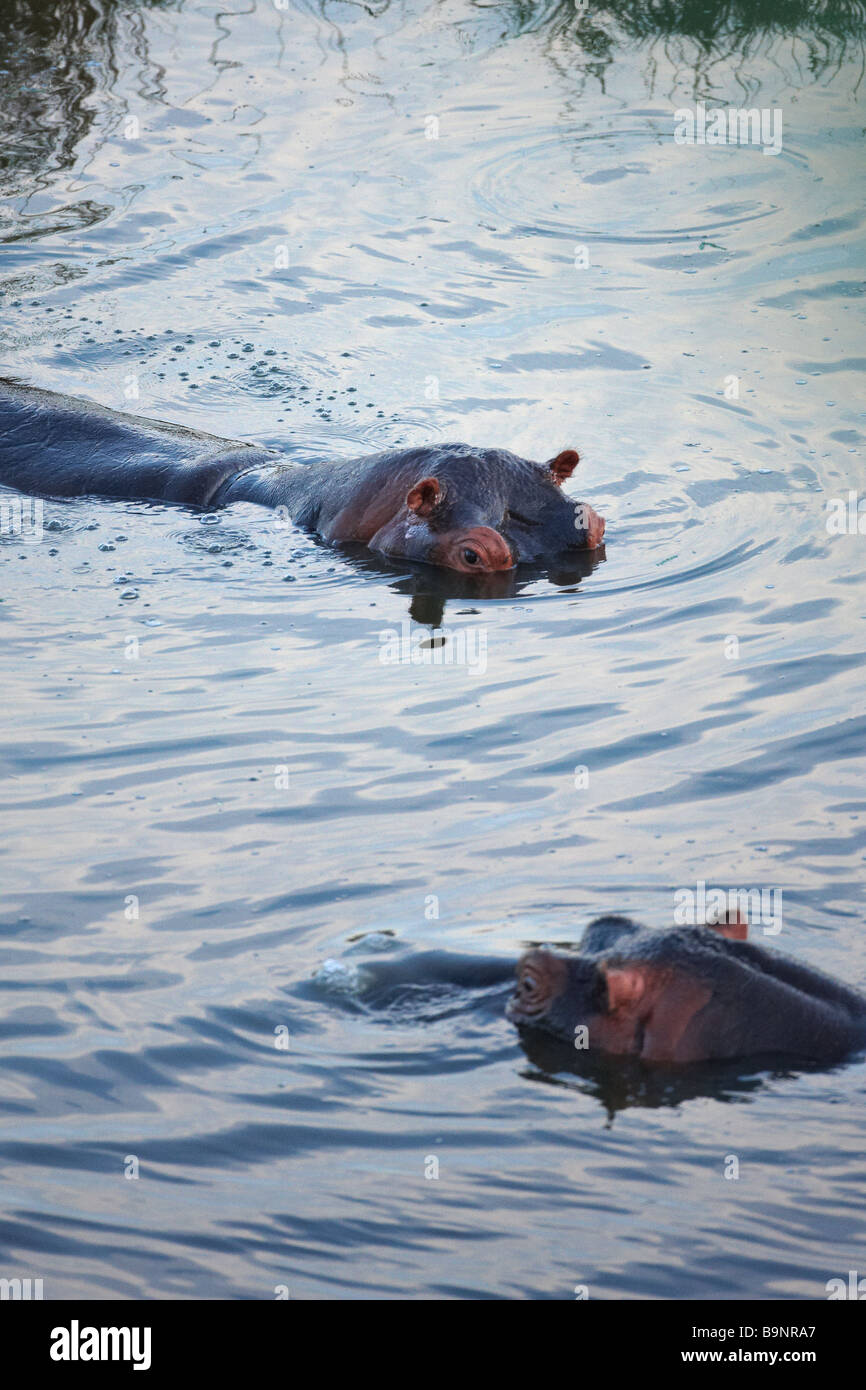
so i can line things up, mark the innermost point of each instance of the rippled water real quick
(213, 783)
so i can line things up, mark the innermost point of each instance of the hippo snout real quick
(594, 528)
(541, 979)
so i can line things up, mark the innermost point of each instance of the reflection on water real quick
(622, 1083)
(337, 228)
(431, 587)
(700, 34)
(57, 58)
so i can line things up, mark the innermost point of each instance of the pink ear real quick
(564, 465)
(625, 985)
(424, 496)
(735, 927)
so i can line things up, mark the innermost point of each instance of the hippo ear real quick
(424, 497)
(733, 925)
(564, 465)
(625, 986)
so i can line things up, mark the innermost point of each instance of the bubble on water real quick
(337, 977)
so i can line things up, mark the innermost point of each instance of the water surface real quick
(240, 220)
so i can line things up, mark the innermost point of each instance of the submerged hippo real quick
(687, 995)
(473, 510)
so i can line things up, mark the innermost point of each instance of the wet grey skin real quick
(481, 487)
(762, 1002)
(56, 446)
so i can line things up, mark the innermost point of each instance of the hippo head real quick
(483, 510)
(561, 994)
(556, 994)
(630, 1002)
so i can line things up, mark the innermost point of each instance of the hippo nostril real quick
(470, 556)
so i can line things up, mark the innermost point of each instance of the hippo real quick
(473, 510)
(692, 994)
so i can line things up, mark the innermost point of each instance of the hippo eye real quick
(528, 983)
(470, 556)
